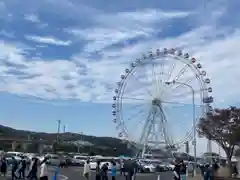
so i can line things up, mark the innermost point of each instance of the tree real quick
(223, 127)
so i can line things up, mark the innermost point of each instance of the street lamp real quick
(81, 141)
(194, 119)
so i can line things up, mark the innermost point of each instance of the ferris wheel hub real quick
(156, 102)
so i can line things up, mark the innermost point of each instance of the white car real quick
(93, 163)
(169, 166)
(150, 167)
(79, 160)
(9, 159)
(53, 159)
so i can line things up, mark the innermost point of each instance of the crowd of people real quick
(208, 171)
(20, 168)
(25, 170)
(127, 169)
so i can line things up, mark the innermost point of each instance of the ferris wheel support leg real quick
(167, 138)
(147, 133)
(143, 151)
(144, 136)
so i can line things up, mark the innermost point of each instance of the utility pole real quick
(59, 125)
(81, 141)
(64, 128)
(82, 136)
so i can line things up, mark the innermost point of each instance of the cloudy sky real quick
(62, 59)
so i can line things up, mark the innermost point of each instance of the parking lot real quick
(76, 173)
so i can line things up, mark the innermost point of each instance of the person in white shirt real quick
(43, 170)
(122, 171)
(86, 169)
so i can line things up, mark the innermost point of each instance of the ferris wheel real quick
(159, 99)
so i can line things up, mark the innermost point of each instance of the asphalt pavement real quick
(76, 173)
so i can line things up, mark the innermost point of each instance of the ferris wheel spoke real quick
(184, 94)
(180, 85)
(181, 72)
(179, 103)
(168, 78)
(136, 114)
(161, 73)
(143, 87)
(159, 82)
(154, 79)
(134, 107)
(189, 80)
(171, 71)
(141, 121)
(134, 99)
(175, 86)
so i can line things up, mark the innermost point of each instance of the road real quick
(76, 173)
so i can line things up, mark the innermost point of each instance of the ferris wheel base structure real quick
(155, 133)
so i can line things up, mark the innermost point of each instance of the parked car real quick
(103, 160)
(10, 160)
(79, 160)
(53, 159)
(150, 168)
(147, 166)
(68, 161)
(10, 154)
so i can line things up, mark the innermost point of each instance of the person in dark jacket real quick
(183, 168)
(207, 172)
(135, 169)
(14, 168)
(179, 170)
(22, 169)
(130, 167)
(176, 171)
(34, 169)
(104, 171)
(215, 168)
(98, 171)
(4, 166)
(235, 171)
(202, 169)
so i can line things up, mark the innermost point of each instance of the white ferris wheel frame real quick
(177, 55)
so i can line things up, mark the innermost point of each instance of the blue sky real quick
(62, 59)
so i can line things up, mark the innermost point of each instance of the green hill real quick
(68, 142)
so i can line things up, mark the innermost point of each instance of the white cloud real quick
(48, 40)
(148, 16)
(119, 27)
(32, 17)
(203, 42)
(35, 19)
(6, 34)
